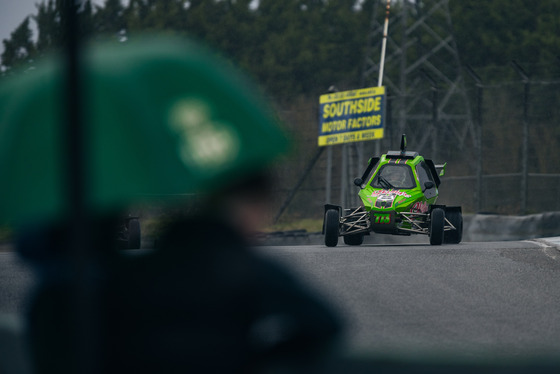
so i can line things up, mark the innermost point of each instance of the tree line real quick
(295, 47)
(290, 47)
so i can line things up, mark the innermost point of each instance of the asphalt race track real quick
(475, 300)
(15, 283)
(472, 300)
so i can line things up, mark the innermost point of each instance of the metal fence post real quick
(435, 103)
(328, 184)
(479, 166)
(525, 138)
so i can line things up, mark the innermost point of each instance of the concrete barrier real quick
(476, 228)
(482, 227)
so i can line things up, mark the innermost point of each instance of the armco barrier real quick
(476, 228)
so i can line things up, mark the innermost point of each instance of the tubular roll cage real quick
(357, 221)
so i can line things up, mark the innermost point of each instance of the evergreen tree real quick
(49, 29)
(168, 15)
(85, 20)
(19, 49)
(299, 46)
(108, 19)
(497, 32)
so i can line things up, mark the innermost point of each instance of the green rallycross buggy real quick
(398, 192)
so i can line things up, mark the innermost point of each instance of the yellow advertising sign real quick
(351, 116)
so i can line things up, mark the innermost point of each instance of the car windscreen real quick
(394, 176)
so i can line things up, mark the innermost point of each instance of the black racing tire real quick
(354, 239)
(437, 225)
(456, 219)
(332, 224)
(134, 234)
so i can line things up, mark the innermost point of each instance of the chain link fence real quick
(501, 145)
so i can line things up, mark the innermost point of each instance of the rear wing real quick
(441, 169)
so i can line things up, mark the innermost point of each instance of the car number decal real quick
(383, 219)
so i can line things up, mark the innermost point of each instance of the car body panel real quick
(377, 197)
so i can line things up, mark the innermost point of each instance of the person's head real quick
(246, 203)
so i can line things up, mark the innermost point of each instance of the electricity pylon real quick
(422, 76)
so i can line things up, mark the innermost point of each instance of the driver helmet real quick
(395, 175)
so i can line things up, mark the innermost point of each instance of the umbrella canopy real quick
(162, 117)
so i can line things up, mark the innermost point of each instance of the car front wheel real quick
(454, 236)
(332, 222)
(437, 225)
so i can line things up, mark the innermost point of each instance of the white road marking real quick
(550, 247)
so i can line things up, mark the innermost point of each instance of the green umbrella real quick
(162, 117)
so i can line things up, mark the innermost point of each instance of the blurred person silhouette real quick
(56, 329)
(165, 117)
(204, 301)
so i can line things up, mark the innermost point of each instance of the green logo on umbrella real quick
(205, 143)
